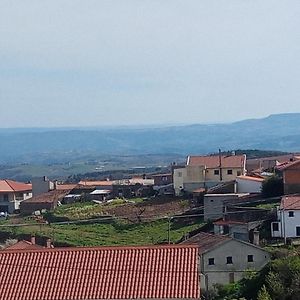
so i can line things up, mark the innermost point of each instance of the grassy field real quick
(112, 233)
(116, 223)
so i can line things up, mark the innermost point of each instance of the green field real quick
(112, 233)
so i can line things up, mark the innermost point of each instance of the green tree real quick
(272, 187)
(263, 294)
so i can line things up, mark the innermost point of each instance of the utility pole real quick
(169, 229)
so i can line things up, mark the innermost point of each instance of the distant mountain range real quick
(276, 132)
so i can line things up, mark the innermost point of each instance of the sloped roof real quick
(95, 183)
(290, 202)
(159, 272)
(251, 178)
(10, 186)
(63, 187)
(50, 197)
(23, 245)
(288, 165)
(213, 161)
(206, 241)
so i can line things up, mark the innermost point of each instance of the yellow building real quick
(208, 171)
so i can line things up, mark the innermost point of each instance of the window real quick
(179, 174)
(250, 258)
(216, 172)
(275, 226)
(229, 172)
(229, 260)
(297, 230)
(5, 197)
(238, 173)
(291, 214)
(211, 261)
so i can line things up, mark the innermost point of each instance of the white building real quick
(12, 193)
(288, 214)
(226, 260)
(248, 184)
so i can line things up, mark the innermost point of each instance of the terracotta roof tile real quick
(290, 202)
(95, 183)
(52, 196)
(212, 161)
(23, 245)
(206, 241)
(63, 187)
(14, 186)
(100, 273)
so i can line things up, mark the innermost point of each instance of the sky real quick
(133, 62)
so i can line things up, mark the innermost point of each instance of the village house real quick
(163, 184)
(288, 218)
(46, 201)
(12, 193)
(94, 273)
(207, 171)
(291, 176)
(215, 204)
(226, 260)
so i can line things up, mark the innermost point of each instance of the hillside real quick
(276, 132)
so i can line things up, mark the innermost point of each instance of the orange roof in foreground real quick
(290, 202)
(100, 273)
(10, 186)
(213, 161)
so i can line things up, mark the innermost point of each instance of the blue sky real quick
(98, 62)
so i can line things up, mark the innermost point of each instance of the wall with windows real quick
(290, 223)
(230, 261)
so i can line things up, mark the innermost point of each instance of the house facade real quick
(288, 218)
(226, 260)
(208, 171)
(12, 193)
(249, 184)
(291, 177)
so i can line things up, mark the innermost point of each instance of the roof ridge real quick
(107, 248)
(7, 181)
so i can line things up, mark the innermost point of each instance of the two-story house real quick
(12, 193)
(288, 215)
(208, 171)
(226, 260)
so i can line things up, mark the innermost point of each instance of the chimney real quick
(256, 237)
(48, 243)
(32, 239)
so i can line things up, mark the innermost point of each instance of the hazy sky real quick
(70, 62)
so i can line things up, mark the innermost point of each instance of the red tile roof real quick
(50, 197)
(100, 273)
(96, 183)
(23, 245)
(212, 161)
(10, 186)
(63, 187)
(206, 241)
(229, 222)
(288, 165)
(290, 202)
